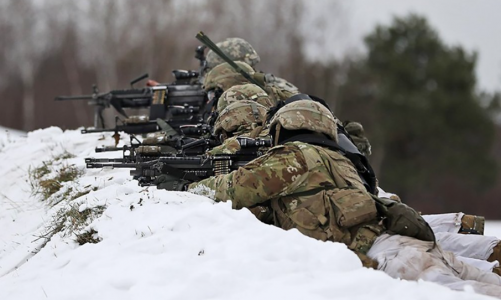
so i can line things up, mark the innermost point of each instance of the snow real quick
(7, 135)
(162, 245)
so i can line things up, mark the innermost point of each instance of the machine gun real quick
(189, 167)
(175, 101)
(141, 153)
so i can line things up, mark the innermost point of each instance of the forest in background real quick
(434, 138)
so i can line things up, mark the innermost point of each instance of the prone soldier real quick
(312, 187)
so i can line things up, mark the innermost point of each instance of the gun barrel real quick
(129, 129)
(94, 130)
(101, 160)
(64, 98)
(107, 149)
(110, 165)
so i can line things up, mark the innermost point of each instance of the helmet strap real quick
(277, 133)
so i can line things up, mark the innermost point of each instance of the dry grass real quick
(71, 221)
(87, 237)
(46, 187)
(64, 155)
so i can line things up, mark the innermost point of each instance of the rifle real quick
(189, 133)
(193, 168)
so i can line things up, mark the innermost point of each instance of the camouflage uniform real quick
(357, 134)
(244, 92)
(319, 192)
(242, 117)
(302, 183)
(477, 249)
(223, 76)
(238, 49)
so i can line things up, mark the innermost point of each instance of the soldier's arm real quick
(260, 180)
(229, 146)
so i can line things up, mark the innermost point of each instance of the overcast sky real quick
(476, 25)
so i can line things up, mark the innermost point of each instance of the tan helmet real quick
(236, 49)
(223, 76)
(244, 92)
(306, 114)
(238, 116)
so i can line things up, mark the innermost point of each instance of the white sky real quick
(476, 25)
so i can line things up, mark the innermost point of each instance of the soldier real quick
(244, 118)
(244, 92)
(450, 229)
(238, 49)
(312, 187)
(223, 76)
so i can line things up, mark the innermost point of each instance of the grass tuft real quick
(71, 221)
(41, 171)
(88, 237)
(64, 155)
(46, 187)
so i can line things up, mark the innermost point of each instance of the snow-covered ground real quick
(7, 135)
(159, 244)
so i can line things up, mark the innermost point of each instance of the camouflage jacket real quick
(301, 183)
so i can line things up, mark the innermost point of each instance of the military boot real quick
(496, 253)
(471, 224)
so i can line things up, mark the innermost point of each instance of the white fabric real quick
(444, 222)
(479, 263)
(467, 245)
(382, 194)
(446, 228)
(411, 259)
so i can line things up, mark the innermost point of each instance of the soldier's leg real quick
(411, 259)
(468, 245)
(479, 263)
(450, 222)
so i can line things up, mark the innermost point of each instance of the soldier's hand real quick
(170, 183)
(151, 82)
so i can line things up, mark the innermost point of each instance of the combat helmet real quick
(244, 92)
(305, 114)
(236, 49)
(238, 116)
(223, 76)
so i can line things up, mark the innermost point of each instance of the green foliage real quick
(425, 117)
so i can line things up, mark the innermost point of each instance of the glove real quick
(171, 183)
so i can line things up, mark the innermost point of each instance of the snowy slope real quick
(8, 135)
(162, 245)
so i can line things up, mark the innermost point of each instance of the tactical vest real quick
(329, 203)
